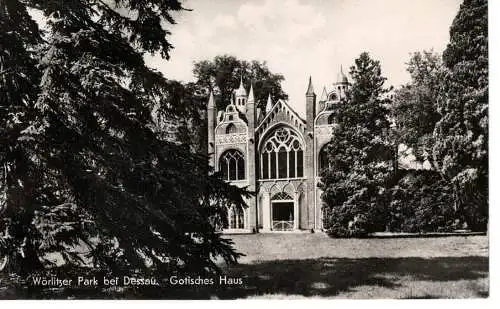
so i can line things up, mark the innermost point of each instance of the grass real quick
(314, 265)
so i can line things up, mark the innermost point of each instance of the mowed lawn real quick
(315, 265)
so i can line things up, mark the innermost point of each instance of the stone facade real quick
(276, 154)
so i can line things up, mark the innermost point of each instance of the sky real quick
(302, 38)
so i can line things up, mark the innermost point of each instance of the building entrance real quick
(282, 216)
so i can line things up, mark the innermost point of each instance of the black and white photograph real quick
(244, 150)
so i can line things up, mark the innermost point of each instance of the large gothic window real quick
(232, 165)
(323, 162)
(282, 156)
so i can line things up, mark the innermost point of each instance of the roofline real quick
(272, 109)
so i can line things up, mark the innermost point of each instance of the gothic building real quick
(275, 153)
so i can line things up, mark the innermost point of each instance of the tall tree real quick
(19, 78)
(86, 167)
(223, 74)
(414, 106)
(461, 147)
(360, 156)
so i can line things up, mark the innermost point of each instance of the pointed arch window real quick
(236, 218)
(231, 128)
(232, 165)
(282, 155)
(323, 161)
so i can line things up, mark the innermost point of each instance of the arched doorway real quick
(282, 212)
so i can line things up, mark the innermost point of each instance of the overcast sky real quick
(299, 38)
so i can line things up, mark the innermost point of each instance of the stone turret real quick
(251, 155)
(309, 166)
(341, 85)
(211, 110)
(241, 97)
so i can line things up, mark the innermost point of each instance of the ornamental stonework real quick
(230, 139)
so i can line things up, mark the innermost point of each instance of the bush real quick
(421, 202)
(354, 220)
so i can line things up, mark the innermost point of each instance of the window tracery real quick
(232, 165)
(282, 155)
(236, 218)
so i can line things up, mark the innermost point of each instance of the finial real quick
(324, 95)
(241, 92)
(269, 104)
(310, 89)
(341, 77)
(211, 101)
(251, 95)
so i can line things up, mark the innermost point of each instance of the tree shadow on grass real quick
(331, 276)
(321, 277)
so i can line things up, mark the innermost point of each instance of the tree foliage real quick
(84, 167)
(414, 106)
(461, 134)
(442, 114)
(420, 202)
(360, 156)
(223, 74)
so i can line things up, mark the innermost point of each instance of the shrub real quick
(421, 202)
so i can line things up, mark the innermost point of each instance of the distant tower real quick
(342, 84)
(241, 97)
(211, 127)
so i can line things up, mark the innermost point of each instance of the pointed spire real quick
(269, 104)
(241, 92)
(310, 89)
(251, 98)
(211, 101)
(324, 94)
(341, 77)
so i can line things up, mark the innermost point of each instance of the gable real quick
(284, 114)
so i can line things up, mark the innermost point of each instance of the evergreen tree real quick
(360, 156)
(461, 147)
(223, 74)
(19, 77)
(83, 167)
